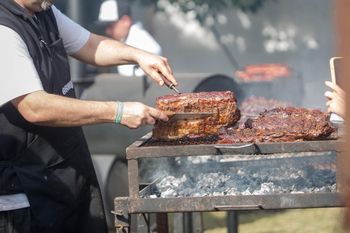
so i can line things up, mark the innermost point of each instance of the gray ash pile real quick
(274, 176)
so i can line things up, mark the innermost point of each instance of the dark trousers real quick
(15, 221)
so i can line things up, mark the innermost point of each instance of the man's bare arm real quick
(42, 108)
(102, 51)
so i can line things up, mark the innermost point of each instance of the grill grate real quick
(183, 142)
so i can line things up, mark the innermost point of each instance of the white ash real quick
(266, 178)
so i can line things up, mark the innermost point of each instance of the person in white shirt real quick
(115, 17)
(48, 183)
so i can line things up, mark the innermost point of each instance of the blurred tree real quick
(207, 12)
(213, 6)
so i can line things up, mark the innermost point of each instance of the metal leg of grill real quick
(178, 223)
(162, 223)
(121, 216)
(188, 222)
(134, 223)
(122, 224)
(197, 222)
(187, 227)
(140, 223)
(232, 221)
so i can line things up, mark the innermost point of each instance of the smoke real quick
(156, 168)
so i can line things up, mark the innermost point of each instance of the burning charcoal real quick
(246, 192)
(167, 193)
(267, 188)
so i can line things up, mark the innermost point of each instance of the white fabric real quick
(13, 202)
(108, 11)
(18, 75)
(335, 118)
(138, 37)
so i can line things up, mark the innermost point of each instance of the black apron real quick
(51, 165)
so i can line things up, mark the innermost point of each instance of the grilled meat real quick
(223, 105)
(263, 72)
(252, 106)
(281, 125)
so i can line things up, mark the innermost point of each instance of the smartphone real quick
(337, 72)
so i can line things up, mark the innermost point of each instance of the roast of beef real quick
(223, 105)
(281, 125)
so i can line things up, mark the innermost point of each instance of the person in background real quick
(47, 180)
(115, 17)
(336, 100)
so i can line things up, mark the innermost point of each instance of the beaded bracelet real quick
(120, 108)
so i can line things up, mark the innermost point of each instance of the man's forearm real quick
(102, 51)
(42, 108)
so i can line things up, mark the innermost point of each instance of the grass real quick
(319, 220)
(323, 220)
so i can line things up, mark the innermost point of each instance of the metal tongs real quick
(171, 85)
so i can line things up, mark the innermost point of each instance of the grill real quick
(230, 177)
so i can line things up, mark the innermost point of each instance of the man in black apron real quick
(43, 153)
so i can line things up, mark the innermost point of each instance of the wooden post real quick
(342, 24)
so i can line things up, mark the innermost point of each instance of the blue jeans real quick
(15, 221)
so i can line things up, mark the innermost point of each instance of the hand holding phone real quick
(336, 97)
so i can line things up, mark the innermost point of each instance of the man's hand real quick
(136, 114)
(336, 99)
(157, 67)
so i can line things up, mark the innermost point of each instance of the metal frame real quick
(130, 211)
(137, 150)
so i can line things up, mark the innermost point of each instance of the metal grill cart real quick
(262, 176)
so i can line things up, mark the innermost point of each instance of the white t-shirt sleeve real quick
(74, 36)
(138, 37)
(18, 75)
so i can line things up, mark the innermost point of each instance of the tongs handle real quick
(171, 85)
